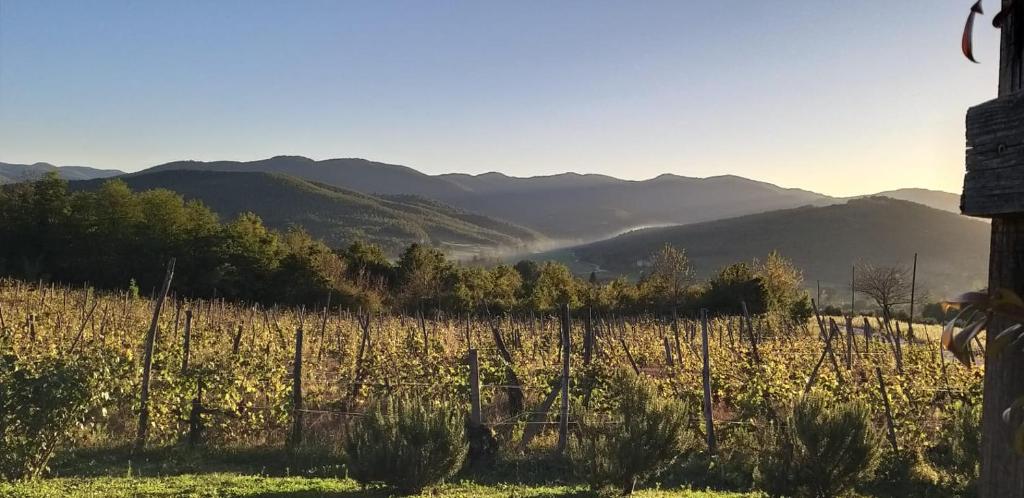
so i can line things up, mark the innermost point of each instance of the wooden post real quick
(475, 418)
(147, 362)
(186, 346)
(296, 436)
(236, 343)
(750, 330)
(853, 290)
(588, 337)
(675, 332)
(849, 342)
(709, 424)
(913, 288)
(817, 366)
(668, 353)
(563, 420)
(888, 411)
(993, 188)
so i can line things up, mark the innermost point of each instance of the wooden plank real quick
(994, 182)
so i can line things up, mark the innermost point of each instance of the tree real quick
(669, 278)
(420, 272)
(555, 286)
(367, 263)
(505, 285)
(888, 286)
(735, 284)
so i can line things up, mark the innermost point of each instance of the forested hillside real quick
(823, 241)
(338, 216)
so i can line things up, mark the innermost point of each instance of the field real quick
(238, 363)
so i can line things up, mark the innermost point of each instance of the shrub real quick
(408, 443)
(650, 436)
(41, 404)
(822, 450)
(731, 468)
(906, 473)
(958, 451)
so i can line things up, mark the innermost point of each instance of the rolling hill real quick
(565, 206)
(14, 173)
(823, 241)
(333, 214)
(588, 207)
(354, 174)
(937, 199)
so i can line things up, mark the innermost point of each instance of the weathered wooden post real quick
(563, 416)
(147, 362)
(186, 346)
(475, 418)
(296, 436)
(913, 288)
(709, 424)
(994, 188)
(889, 424)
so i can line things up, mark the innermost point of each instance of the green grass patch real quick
(227, 485)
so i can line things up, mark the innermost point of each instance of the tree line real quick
(115, 238)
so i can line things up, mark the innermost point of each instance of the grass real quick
(273, 473)
(234, 485)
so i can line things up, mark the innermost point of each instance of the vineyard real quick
(227, 375)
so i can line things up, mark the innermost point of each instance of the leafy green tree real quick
(250, 254)
(421, 270)
(735, 284)
(367, 263)
(671, 274)
(505, 286)
(555, 286)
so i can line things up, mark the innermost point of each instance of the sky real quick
(839, 97)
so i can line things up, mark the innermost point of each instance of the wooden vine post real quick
(994, 188)
(147, 361)
(563, 412)
(709, 423)
(475, 418)
(295, 439)
(186, 345)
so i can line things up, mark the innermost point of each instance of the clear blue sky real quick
(839, 97)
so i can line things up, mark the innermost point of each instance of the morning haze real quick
(840, 101)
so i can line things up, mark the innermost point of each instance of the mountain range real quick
(599, 221)
(15, 173)
(569, 207)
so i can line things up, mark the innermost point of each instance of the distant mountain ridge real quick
(568, 206)
(360, 175)
(15, 173)
(336, 215)
(823, 241)
(937, 199)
